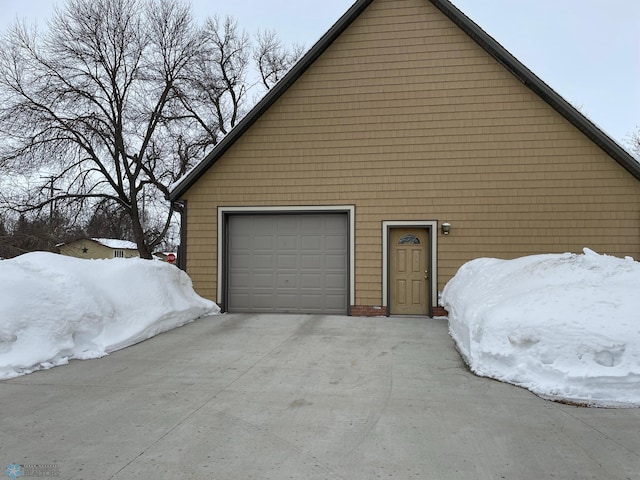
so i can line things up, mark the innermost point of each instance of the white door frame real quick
(348, 209)
(432, 225)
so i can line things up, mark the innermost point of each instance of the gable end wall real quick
(407, 118)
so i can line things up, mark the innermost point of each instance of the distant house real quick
(406, 142)
(99, 248)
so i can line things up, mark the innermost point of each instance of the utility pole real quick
(50, 182)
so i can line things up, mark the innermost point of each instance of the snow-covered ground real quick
(565, 326)
(54, 308)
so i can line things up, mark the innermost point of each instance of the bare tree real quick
(84, 103)
(35, 233)
(272, 58)
(115, 102)
(215, 96)
(108, 221)
(633, 143)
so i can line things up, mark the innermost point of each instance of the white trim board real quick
(349, 209)
(433, 255)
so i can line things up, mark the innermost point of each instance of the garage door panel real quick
(262, 224)
(312, 225)
(287, 280)
(241, 260)
(311, 262)
(287, 243)
(333, 302)
(240, 243)
(311, 243)
(335, 262)
(262, 302)
(287, 262)
(296, 263)
(287, 302)
(334, 242)
(335, 281)
(314, 302)
(239, 298)
(239, 280)
(262, 280)
(263, 242)
(334, 224)
(311, 280)
(260, 260)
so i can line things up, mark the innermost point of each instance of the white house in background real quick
(95, 248)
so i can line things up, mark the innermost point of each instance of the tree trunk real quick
(139, 237)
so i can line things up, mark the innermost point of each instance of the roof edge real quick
(184, 183)
(538, 86)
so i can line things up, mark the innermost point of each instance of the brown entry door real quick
(409, 271)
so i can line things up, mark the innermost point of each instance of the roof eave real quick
(544, 91)
(270, 98)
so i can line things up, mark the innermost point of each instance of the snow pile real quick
(115, 243)
(566, 327)
(54, 308)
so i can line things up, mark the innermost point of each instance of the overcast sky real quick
(587, 50)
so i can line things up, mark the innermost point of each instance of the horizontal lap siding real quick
(406, 118)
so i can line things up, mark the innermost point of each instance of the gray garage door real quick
(288, 263)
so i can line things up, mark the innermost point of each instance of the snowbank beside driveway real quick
(54, 308)
(565, 326)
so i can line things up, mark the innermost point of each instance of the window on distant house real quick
(118, 254)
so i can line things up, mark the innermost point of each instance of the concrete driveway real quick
(302, 397)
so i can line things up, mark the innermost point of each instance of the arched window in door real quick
(409, 240)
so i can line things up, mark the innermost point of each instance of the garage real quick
(287, 263)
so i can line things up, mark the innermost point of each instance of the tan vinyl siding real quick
(407, 118)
